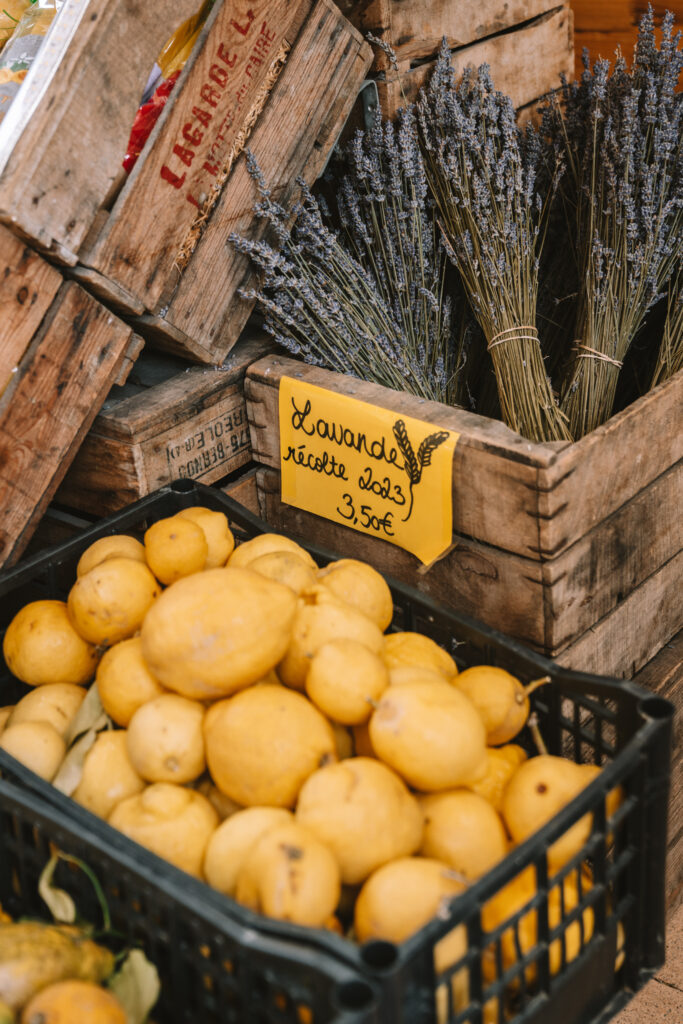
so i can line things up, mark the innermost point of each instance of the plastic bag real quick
(23, 47)
(11, 13)
(171, 61)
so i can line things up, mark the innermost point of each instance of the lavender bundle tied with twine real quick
(622, 137)
(482, 170)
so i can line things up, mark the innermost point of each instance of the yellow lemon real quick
(165, 739)
(56, 703)
(232, 842)
(174, 548)
(363, 811)
(245, 553)
(403, 649)
(118, 545)
(109, 603)
(263, 743)
(361, 586)
(464, 831)
(108, 775)
(217, 532)
(217, 632)
(42, 646)
(124, 682)
(285, 567)
(345, 679)
(37, 745)
(172, 821)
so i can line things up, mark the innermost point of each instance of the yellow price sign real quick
(367, 468)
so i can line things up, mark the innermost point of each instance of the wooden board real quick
(160, 202)
(414, 28)
(531, 499)
(293, 137)
(526, 63)
(27, 287)
(49, 404)
(64, 162)
(604, 26)
(547, 605)
(244, 490)
(664, 677)
(169, 421)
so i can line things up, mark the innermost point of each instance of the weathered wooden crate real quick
(612, 24)
(60, 353)
(169, 420)
(576, 549)
(280, 75)
(528, 43)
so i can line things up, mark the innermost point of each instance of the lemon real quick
(263, 743)
(174, 548)
(37, 745)
(124, 682)
(403, 649)
(464, 831)
(119, 545)
(217, 632)
(109, 603)
(42, 646)
(219, 538)
(363, 811)
(358, 584)
(345, 679)
(174, 822)
(165, 739)
(56, 703)
(232, 842)
(243, 555)
(108, 775)
(285, 567)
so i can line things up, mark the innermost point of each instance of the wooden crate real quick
(60, 353)
(576, 549)
(168, 421)
(281, 75)
(528, 43)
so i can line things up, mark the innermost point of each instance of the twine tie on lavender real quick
(513, 334)
(586, 352)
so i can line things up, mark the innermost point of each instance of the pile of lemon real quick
(265, 734)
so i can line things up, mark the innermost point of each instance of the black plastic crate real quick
(613, 724)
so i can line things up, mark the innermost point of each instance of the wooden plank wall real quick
(605, 25)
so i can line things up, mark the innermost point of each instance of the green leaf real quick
(59, 903)
(136, 985)
(90, 715)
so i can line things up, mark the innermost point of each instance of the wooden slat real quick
(664, 677)
(414, 28)
(244, 490)
(202, 119)
(526, 63)
(49, 405)
(598, 474)
(27, 287)
(294, 135)
(188, 422)
(64, 163)
(626, 638)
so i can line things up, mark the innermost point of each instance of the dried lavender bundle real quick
(369, 300)
(624, 154)
(670, 356)
(482, 171)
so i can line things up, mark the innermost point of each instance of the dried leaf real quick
(136, 985)
(71, 769)
(88, 716)
(59, 903)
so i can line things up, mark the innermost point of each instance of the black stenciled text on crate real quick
(617, 725)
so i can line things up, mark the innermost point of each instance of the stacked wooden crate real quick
(92, 260)
(527, 43)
